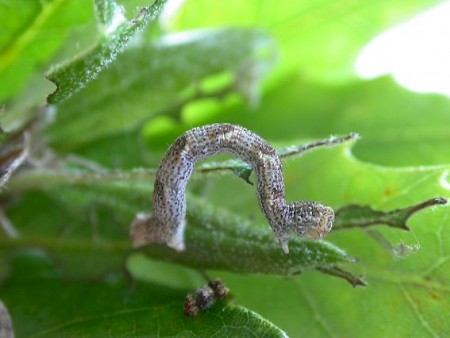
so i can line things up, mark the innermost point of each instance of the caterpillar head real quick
(312, 219)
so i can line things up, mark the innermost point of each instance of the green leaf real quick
(362, 216)
(415, 285)
(210, 229)
(150, 78)
(406, 272)
(244, 170)
(321, 38)
(336, 178)
(35, 33)
(109, 15)
(221, 241)
(109, 306)
(32, 32)
(117, 31)
(394, 131)
(353, 107)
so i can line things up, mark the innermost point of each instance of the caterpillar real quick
(167, 223)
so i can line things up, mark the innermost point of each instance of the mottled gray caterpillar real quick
(167, 223)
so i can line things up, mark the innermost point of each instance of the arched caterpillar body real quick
(166, 225)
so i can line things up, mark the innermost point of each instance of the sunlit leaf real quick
(378, 110)
(319, 38)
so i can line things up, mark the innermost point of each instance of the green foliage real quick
(127, 90)
(113, 308)
(146, 89)
(31, 32)
(319, 38)
(115, 31)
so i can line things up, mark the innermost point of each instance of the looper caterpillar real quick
(166, 225)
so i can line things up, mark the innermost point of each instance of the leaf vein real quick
(8, 56)
(104, 316)
(317, 316)
(415, 307)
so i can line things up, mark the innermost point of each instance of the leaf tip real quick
(358, 281)
(354, 136)
(440, 200)
(425, 204)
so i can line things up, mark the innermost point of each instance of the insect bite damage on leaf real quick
(357, 216)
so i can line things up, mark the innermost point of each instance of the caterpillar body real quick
(167, 223)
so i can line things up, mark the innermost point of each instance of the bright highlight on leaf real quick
(415, 53)
(110, 16)
(444, 180)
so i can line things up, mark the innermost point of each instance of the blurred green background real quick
(281, 69)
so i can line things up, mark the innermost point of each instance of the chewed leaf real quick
(91, 308)
(117, 31)
(357, 216)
